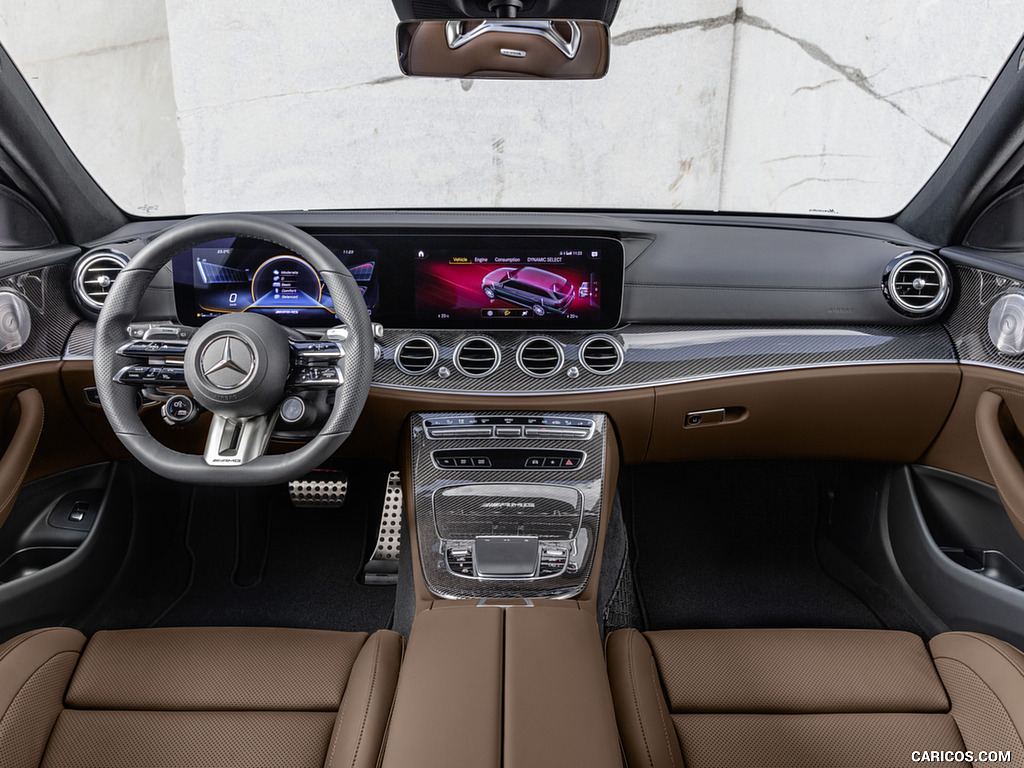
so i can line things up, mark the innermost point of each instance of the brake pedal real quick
(320, 488)
(382, 567)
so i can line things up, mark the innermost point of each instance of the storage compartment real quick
(31, 560)
(989, 563)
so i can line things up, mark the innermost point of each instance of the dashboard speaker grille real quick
(540, 356)
(94, 276)
(477, 356)
(416, 355)
(600, 354)
(917, 284)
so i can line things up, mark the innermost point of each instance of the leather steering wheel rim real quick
(121, 306)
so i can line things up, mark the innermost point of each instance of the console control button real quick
(508, 431)
(460, 561)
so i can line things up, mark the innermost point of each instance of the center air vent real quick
(540, 356)
(476, 356)
(94, 276)
(416, 355)
(916, 284)
(600, 354)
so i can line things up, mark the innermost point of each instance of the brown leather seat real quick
(196, 697)
(814, 697)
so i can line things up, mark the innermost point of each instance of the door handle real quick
(18, 456)
(1002, 460)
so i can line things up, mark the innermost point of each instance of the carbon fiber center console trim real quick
(507, 502)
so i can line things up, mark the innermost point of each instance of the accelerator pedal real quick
(383, 565)
(320, 488)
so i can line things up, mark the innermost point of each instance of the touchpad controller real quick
(506, 556)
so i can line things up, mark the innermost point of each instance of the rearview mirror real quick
(504, 49)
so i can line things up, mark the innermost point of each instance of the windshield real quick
(180, 106)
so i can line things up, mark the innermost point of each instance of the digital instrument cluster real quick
(413, 281)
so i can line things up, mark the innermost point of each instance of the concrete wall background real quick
(188, 105)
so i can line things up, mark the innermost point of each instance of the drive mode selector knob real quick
(1006, 324)
(180, 410)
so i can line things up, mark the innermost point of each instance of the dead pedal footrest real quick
(382, 567)
(320, 488)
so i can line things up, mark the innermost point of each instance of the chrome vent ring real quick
(415, 355)
(476, 357)
(94, 276)
(601, 355)
(540, 357)
(916, 284)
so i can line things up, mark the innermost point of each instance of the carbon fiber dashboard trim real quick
(654, 354)
(53, 315)
(658, 354)
(79, 346)
(427, 479)
(968, 322)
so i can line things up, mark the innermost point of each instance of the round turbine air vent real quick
(601, 355)
(416, 355)
(94, 276)
(916, 284)
(540, 356)
(476, 356)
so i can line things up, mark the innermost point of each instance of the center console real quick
(508, 504)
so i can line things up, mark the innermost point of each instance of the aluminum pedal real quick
(382, 567)
(320, 488)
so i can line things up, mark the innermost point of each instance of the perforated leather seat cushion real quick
(196, 697)
(813, 698)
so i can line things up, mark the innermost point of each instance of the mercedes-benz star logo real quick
(228, 362)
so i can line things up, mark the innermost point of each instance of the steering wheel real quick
(237, 366)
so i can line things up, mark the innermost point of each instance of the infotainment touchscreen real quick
(413, 281)
(541, 281)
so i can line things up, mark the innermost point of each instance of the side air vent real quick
(601, 355)
(416, 355)
(94, 276)
(540, 356)
(476, 356)
(916, 284)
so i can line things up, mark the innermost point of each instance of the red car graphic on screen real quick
(538, 289)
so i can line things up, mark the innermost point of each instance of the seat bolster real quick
(22, 656)
(34, 671)
(366, 705)
(645, 725)
(985, 681)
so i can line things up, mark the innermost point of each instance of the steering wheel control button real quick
(179, 411)
(147, 349)
(317, 350)
(317, 377)
(296, 413)
(144, 375)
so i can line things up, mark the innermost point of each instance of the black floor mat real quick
(247, 557)
(269, 564)
(731, 544)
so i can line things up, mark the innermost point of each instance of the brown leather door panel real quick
(1000, 438)
(28, 412)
